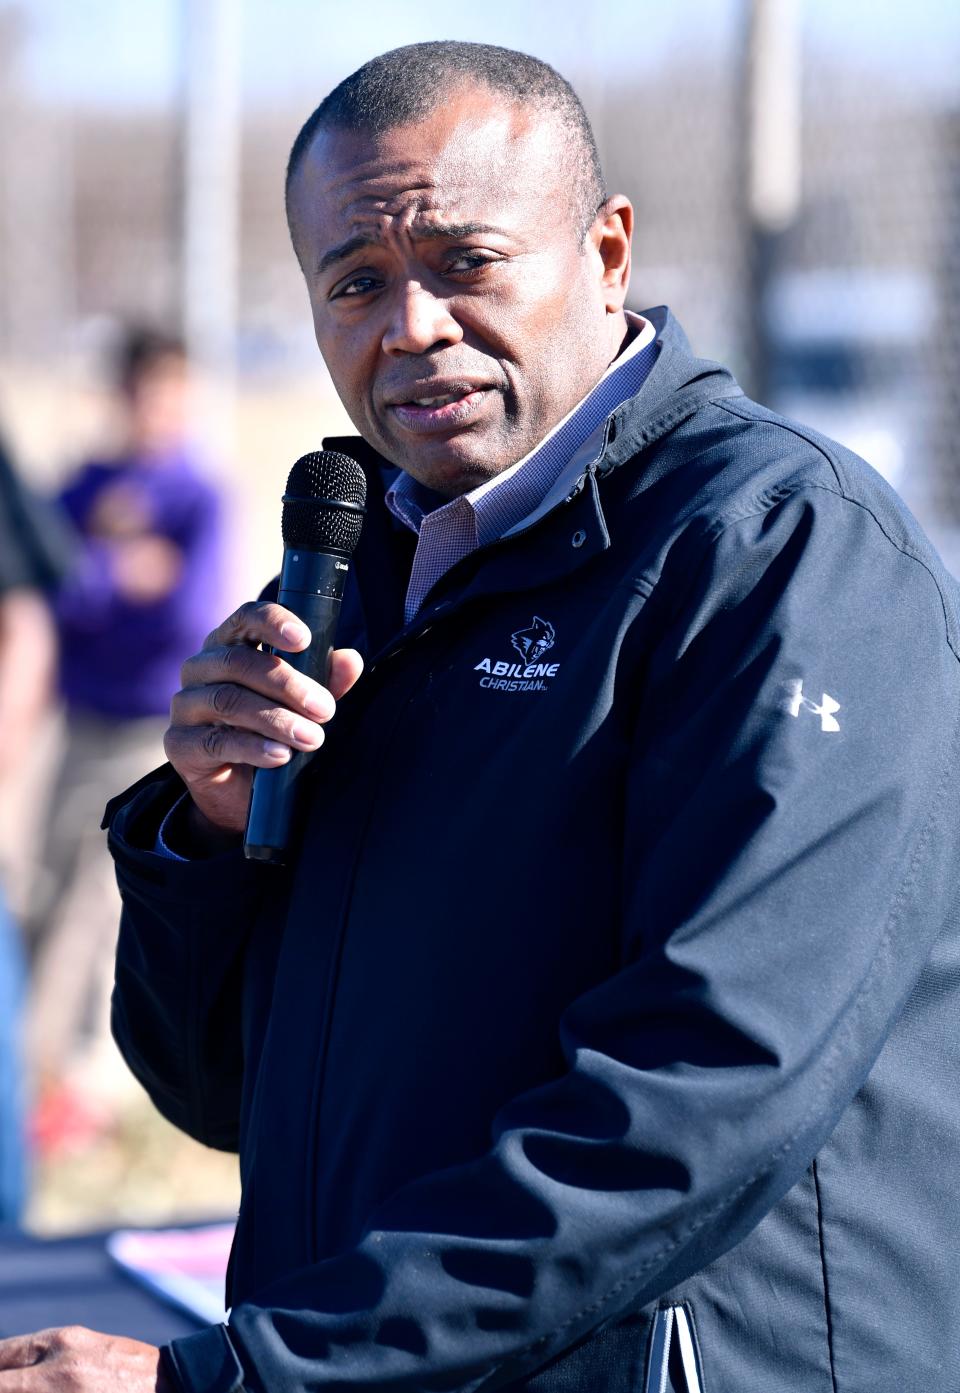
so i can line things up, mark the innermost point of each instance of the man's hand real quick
(74, 1360)
(242, 709)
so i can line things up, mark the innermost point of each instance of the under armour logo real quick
(796, 702)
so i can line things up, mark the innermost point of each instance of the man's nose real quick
(419, 322)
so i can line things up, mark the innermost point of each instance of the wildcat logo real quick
(530, 675)
(532, 643)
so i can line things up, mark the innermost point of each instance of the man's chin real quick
(452, 468)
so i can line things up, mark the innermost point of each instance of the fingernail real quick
(304, 734)
(317, 706)
(275, 750)
(297, 635)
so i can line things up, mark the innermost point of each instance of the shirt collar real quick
(569, 443)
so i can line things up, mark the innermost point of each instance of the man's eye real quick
(469, 261)
(358, 285)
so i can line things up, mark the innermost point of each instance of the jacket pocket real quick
(673, 1360)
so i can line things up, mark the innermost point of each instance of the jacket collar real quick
(568, 536)
(675, 386)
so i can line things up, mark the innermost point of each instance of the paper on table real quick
(187, 1267)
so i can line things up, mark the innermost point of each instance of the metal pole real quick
(771, 123)
(37, 232)
(211, 175)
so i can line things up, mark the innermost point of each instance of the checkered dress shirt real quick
(451, 530)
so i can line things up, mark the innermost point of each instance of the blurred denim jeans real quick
(12, 1155)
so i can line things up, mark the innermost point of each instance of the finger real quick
(346, 665)
(199, 750)
(20, 1351)
(27, 1362)
(261, 621)
(227, 704)
(261, 672)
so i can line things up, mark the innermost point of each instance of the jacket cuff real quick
(161, 787)
(206, 1362)
(134, 819)
(161, 846)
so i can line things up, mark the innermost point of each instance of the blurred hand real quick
(242, 709)
(146, 568)
(120, 510)
(74, 1360)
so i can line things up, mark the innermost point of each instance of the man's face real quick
(457, 309)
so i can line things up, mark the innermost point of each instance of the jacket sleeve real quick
(789, 859)
(177, 1000)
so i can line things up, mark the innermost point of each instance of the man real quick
(602, 1037)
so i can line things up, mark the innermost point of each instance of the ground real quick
(133, 1169)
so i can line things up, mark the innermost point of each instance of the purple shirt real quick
(120, 659)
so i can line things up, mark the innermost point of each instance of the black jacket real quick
(614, 995)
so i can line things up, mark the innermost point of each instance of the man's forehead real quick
(456, 164)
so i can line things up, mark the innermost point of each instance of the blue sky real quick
(126, 52)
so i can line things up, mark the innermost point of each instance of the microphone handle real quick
(311, 587)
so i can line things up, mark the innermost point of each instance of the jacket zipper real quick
(673, 1350)
(316, 1093)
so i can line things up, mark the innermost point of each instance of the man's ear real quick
(610, 237)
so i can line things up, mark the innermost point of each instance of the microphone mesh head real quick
(323, 489)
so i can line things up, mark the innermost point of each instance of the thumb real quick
(346, 665)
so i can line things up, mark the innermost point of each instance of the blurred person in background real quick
(30, 555)
(144, 588)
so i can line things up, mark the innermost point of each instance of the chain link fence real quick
(845, 315)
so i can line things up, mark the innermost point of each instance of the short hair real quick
(139, 348)
(409, 83)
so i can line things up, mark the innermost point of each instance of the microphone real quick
(323, 509)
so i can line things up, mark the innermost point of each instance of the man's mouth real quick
(424, 413)
(435, 401)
